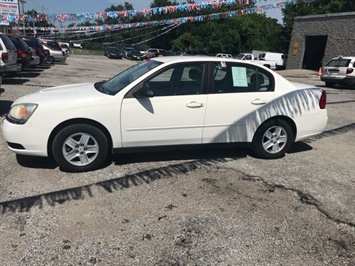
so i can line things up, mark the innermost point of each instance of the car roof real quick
(198, 58)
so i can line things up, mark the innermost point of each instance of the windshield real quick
(120, 81)
(239, 56)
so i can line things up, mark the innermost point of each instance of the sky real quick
(92, 6)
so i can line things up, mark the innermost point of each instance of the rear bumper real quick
(348, 80)
(12, 68)
(318, 121)
(34, 61)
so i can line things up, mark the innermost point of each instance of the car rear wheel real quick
(272, 139)
(79, 148)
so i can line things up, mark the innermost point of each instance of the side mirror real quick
(143, 93)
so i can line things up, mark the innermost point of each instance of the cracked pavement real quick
(208, 207)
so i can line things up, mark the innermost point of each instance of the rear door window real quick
(239, 78)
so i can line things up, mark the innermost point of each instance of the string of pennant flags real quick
(145, 12)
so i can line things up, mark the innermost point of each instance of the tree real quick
(185, 41)
(159, 3)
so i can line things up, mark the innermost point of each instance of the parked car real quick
(224, 55)
(250, 57)
(56, 54)
(339, 70)
(65, 47)
(35, 59)
(134, 54)
(113, 53)
(279, 58)
(24, 52)
(8, 54)
(37, 46)
(125, 51)
(155, 51)
(77, 45)
(146, 56)
(166, 102)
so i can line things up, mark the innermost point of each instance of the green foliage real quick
(185, 41)
(158, 3)
(230, 35)
(226, 35)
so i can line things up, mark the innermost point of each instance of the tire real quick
(330, 84)
(80, 148)
(50, 60)
(273, 139)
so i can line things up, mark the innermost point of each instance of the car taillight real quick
(349, 70)
(323, 100)
(39, 52)
(21, 54)
(5, 57)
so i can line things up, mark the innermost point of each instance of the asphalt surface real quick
(209, 207)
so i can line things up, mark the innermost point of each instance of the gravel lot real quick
(210, 207)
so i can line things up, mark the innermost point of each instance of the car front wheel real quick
(50, 60)
(272, 139)
(80, 148)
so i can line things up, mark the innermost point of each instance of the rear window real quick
(339, 62)
(54, 45)
(32, 42)
(8, 43)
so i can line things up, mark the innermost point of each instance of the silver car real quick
(8, 57)
(56, 53)
(339, 70)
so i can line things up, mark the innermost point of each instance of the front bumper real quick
(26, 139)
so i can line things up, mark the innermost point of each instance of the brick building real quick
(317, 38)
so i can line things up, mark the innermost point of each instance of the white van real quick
(77, 45)
(279, 58)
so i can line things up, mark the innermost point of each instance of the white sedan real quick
(166, 102)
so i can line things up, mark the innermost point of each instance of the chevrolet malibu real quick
(162, 103)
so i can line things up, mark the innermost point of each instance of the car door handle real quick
(258, 102)
(194, 105)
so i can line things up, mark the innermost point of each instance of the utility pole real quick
(23, 12)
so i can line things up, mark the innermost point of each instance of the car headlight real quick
(20, 113)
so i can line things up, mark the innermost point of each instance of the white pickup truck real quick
(271, 60)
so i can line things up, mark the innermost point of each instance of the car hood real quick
(65, 93)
